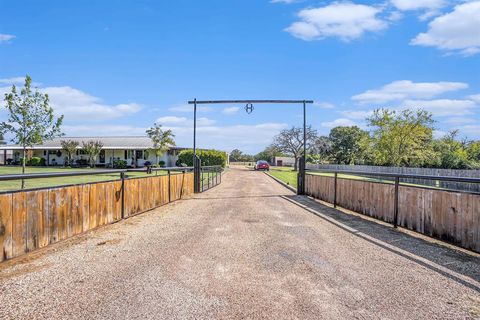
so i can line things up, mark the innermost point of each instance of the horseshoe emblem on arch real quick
(249, 108)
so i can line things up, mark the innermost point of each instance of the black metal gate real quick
(211, 176)
(206, 177)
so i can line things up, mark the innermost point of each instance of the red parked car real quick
(262, 165)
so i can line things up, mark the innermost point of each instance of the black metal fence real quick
(211, 176)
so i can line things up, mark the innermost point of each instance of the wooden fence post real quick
(122, 176)
(169, 188)
(395, 208)
(335, 190)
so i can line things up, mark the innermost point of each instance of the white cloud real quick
(230, 110)
(472, 130)
(103, 130)
(475, 97)
(406, 89)
(6, 37)
(78, 105)
(357, 115)
(442, 107)
(457, 31)
(204, 122)
(14, 80)
(459, 120)
(345, 20)
(324, 105)
(438, 134)
(338, 122)
(189, 108)
(430, 7)
(171, 119)
(395, 16)
(182, 121)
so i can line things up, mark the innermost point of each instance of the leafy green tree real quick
(70, 147)
(349, 144)
(402, 138)
(451, 153)
(162, 140)
(92, 149)
(268, 154)
(236, 155)
(290, 141)
(31, 120)
(473, 151)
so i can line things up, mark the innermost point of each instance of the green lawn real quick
(51, 182)
(284, 174)
(289, 176)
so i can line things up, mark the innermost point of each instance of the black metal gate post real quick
(301, 177)
(197, 164)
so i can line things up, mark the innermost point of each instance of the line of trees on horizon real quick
(395, 138)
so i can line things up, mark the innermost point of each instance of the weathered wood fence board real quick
(446, 215)
(33, 219)
(472, 187)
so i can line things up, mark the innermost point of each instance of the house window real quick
(146, 154)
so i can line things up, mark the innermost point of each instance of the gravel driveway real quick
(244, 249)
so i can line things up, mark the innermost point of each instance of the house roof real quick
(118, 142)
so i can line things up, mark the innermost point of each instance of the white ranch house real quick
(134, 150)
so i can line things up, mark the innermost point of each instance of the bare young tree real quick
(290, 141)
(93, 149)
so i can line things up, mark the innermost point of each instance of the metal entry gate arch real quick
(249, 108)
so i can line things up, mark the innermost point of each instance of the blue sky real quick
(115, 67)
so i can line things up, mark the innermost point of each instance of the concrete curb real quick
(289, 187)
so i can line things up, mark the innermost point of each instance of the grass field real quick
(289, 176)
(286, 175)
(51, 182)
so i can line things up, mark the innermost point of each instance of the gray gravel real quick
(241, 251)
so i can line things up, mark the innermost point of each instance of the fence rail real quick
(33, 219)
(411, 171)
(451, 216)
(211, 177)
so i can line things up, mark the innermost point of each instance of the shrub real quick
(208, 157)
(120, 164)
(161, 163)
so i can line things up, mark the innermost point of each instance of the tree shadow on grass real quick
(456, 264)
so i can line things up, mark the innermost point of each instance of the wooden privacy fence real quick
(447, 215)
(472, 187)
(34, 219)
